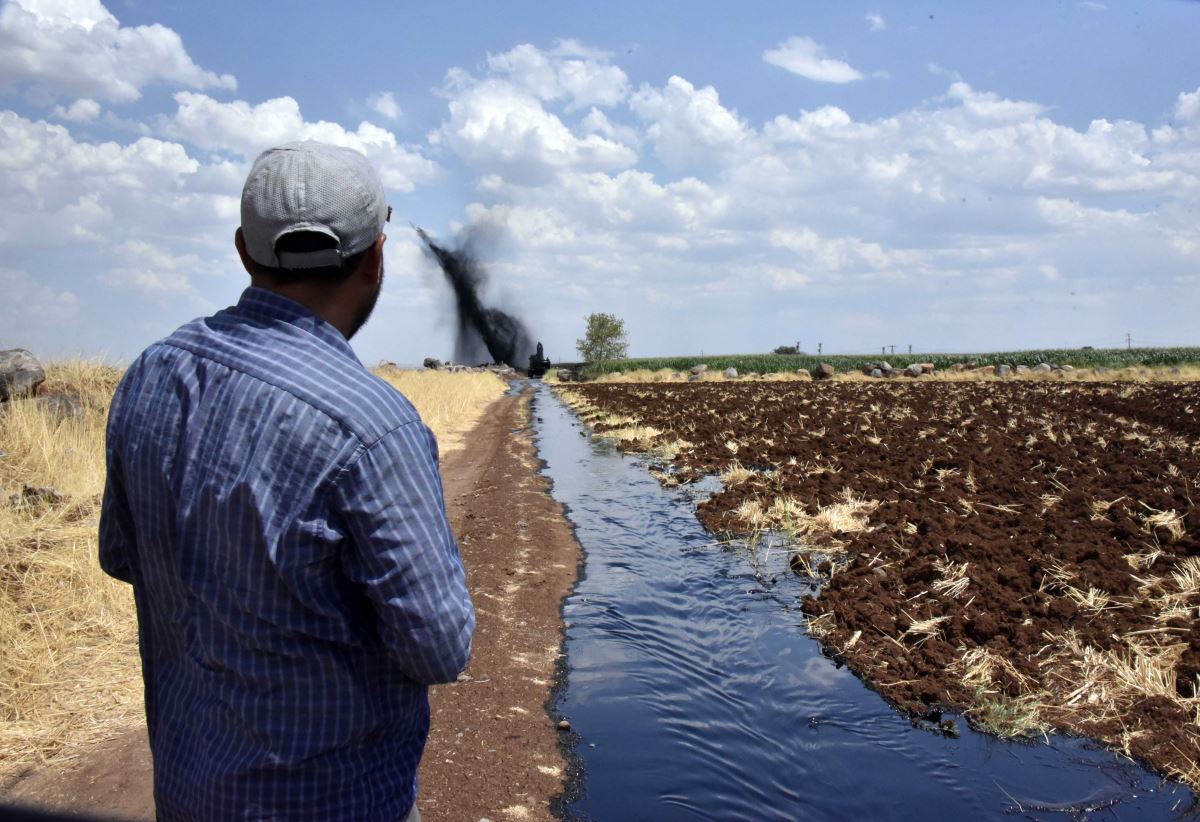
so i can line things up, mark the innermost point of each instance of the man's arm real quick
(403, 554)
(116, 524)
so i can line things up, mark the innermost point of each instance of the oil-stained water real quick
(696, 693)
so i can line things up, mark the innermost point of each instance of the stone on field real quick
(432, 363)
(803, 372)
(824, 371)
(730, 373)
(927, 368)
(885, 366)
(1066, 367)
(958, 367)
(565, 376)
(693, 378)
(875, 372)
(1022, 369)
(1003, 370)
(986, 369)
(914, 370)
(20, 374)
(699, 369)
(1042, 368)
(59, 406)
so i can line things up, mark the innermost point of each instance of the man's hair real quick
(300, 242)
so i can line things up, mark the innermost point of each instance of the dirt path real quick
(493, 749)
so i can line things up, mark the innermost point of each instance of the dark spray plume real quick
(483, 332)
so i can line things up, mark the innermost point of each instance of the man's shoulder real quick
(282, 359)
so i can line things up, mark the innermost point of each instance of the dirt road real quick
(493, 749)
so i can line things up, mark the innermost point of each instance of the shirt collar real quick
(268, 306)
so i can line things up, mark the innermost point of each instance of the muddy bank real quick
(1026, 553)
(492, 747)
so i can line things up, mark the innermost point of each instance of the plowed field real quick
(1025, 553)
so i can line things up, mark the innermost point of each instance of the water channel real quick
(695, 692)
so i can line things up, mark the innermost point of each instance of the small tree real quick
(604, 339)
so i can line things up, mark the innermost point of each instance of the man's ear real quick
(239, 243)
(372, 264)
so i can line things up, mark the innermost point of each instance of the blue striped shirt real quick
(279, 512)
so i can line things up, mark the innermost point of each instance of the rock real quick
(958, 367)
(875, 372)
(824, 371)
(730, 373)
(20, 374)
(884, 365)
(1042, 368)
(59, 406)
(803, 372)
(753, 375)
(699, 369)
(1003, 370)
(564, 375)
(1022, 369)
(1101, 369)
(972, 365)
(432, 364)
(564, 725)
(986, 369)
(927, 368)
(914, 370)
(1065, 367)
(693, 378)
(37, 496)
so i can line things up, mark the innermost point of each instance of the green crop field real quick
(775, 363)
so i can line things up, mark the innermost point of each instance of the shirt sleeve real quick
(117, 535)
(403, 554)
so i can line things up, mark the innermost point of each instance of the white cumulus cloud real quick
(570, 72)
(806, 57)
(1187, 106)
(244, 129)
(81, 111)
(500, 128)
(689, 126)
(384, 103)
(875, 21)
(50, 49)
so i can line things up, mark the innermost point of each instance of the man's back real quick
(279, 513)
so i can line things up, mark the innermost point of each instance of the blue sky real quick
(955, 176)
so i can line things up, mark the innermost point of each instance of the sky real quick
(946, 175)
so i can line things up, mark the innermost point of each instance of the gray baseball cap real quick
(317, 187)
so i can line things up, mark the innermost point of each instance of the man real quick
(279, 512)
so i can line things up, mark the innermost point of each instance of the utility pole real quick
(819, 348)
(893, 350)
(910, 349)
(797, 346)
(1128, 341)
(882, 350)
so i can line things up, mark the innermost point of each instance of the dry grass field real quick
(69, 669)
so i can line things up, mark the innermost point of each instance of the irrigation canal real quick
(695, 692)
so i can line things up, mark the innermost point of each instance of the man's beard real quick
(364, 310)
